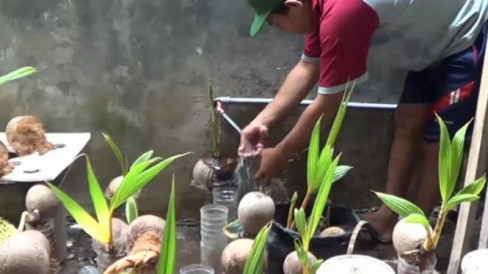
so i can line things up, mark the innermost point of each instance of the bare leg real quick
(428, 193)
(409, 119)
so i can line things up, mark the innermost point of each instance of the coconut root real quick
(27, 135)
(143, 256)
(5, 166)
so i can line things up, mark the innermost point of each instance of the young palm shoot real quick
(407, 240)
(131, 210)
(167, 258)
(319, 161)
(100, 229)
(307, 230)
(256, 263)
(17, 74)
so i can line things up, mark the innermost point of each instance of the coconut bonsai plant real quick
(144, 243)
(101, 229)
(413, 237)
(318, 162)
(321, 170)
(212, 166)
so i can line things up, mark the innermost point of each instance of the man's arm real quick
(299, 136)
(296, 86)
(275, 159)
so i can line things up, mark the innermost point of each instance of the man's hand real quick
(273, 161)
(253, 138)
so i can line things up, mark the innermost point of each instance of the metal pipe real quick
(237, 100)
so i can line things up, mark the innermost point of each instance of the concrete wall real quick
(132, 68)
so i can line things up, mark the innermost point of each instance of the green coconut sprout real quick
(131, 209)
(307, 229)
(17, 74)
(450, 161)
(319, 161)
(167, 255)
(144, 169)
(255, 264)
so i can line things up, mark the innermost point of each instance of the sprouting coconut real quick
(119, 237)
(202, 175)
(25, 253)
(114, 185)
(235, 255)
(26, 135)
(143, 243)
(332, 231)
(408, 237)
(209, 168)
(107, 255)
(41, 203)
(292, 264)
(255, 210)
(5, 166)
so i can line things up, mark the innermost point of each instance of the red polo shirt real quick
(341, 41)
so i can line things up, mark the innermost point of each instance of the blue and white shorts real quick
(450, 86)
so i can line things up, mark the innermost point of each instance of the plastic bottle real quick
(213, 218)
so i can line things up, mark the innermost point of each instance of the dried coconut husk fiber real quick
(26, 135)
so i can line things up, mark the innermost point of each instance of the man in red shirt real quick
(440, 42)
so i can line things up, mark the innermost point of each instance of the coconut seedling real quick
(152, 244)
(100, 229)
(301, 260)
(212, 166)
(131, 211)
(318, 162)
(413, 237)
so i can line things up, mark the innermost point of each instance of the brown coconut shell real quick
(141, 225)
(5, 166)
(38, 237)
(292, 263)
(26, 135)
(255, 210)
(119, 236)
(24, 253)
(235, 255)
(41, 203)
(332, 231)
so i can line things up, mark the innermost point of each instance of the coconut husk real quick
(27, 136)
(5, 166)
(142, 257)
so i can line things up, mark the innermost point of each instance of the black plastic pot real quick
(281, 240)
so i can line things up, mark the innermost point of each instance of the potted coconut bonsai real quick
(413, 238)
(151, 244)
(212, 166)
(108, 233)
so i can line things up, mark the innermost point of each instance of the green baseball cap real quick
(262, 9)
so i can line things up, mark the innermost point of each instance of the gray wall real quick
(132, 68)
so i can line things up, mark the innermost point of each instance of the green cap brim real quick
(258, 22)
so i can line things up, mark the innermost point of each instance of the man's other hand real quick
(273, 162)
(253, 138)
